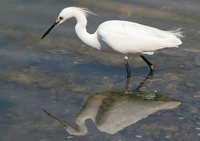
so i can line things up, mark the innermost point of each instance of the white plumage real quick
(121, 36)
(130, 37)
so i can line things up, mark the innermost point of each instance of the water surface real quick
(60, 73)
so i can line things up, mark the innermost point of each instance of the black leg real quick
(128, 70)
(148, 63)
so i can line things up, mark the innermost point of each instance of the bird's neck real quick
(81, 31)
(81, 128)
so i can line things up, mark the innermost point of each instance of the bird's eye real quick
(60, 18)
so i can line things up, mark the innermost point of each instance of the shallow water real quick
(63, 75)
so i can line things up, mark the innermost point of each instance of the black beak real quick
(50, 29)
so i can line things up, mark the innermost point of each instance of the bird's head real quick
(65, 14)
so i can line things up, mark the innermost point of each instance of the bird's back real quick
(130, 37)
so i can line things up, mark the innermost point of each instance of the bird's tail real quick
(177, 32)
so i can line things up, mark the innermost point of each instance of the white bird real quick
(121, 36)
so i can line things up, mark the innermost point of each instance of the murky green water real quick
(77, 83)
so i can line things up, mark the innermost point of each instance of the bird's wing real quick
(129, 37)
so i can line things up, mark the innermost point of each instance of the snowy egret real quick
(121, 36)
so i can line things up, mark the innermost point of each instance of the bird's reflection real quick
(113, 110)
